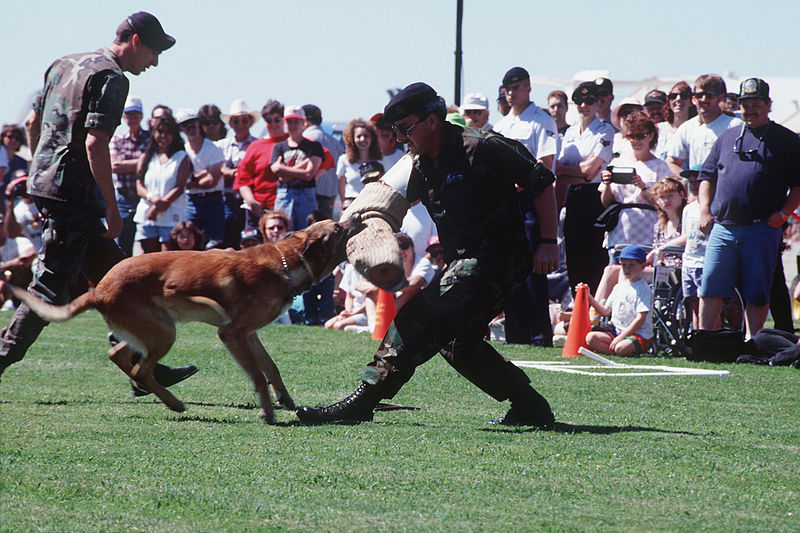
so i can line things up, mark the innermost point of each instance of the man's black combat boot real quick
(528, 408)
(355, 408)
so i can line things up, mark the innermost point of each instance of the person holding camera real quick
(628, 180)
(585, 151)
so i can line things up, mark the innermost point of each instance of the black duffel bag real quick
(715, 345)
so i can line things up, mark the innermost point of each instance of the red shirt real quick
(254, 171)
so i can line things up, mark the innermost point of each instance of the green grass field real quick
(79, 453)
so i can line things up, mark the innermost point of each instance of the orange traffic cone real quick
(579, 325)
(384, 314)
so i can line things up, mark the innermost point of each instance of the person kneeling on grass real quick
(628, 304)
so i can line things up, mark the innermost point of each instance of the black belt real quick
(208, 194)
(299, 185)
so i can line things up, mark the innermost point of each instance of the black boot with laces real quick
(358, 407)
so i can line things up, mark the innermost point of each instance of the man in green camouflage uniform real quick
(466, 179)
(69, 130)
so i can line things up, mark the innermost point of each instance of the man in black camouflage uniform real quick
(466, 179)
(69, 131)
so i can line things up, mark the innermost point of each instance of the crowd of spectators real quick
(201, 179)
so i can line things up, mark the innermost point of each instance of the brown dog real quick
(142, 298)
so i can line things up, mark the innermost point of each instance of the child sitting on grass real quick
(629, 306)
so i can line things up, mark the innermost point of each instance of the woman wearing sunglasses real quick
(585, 151)
(635, 225)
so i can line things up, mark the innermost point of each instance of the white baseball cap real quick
(475, 101)
(294, 111)
(133, 103)
(185, 114)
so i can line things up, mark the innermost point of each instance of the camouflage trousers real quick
(450, 317)
(71, 247)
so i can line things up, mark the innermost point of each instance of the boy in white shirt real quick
(629, 307)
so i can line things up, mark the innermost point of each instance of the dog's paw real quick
(266, 417)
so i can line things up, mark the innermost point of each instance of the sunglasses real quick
(405, 130)
(706, 94)
(683, 95)
(235, 121)
(637, 136)
(588, 100)
(405, 245)
(270, 120)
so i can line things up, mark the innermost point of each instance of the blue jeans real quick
(127, 208)
(297, 204)
(207, 211)
(749, 251)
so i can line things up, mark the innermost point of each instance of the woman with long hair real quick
(361, 145)
(162, 172)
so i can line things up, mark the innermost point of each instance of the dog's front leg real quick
(270, 370)
(238, 343)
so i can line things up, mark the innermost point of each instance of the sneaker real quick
(165, 376)
(352, 328)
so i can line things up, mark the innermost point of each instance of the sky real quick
(343, 55)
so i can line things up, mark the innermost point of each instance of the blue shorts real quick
(152, 232)
(749, 251)
(690, 281)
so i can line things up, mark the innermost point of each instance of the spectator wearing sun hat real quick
(240, 118)
(295, 162)
(475, 109)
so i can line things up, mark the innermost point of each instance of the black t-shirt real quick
(752, 171)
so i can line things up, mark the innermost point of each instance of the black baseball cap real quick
(655, 97)
(370, 171)
(409, 100)
(586, 88)
(149, 30)
(514, 75)
(604, 84)
(754, 88)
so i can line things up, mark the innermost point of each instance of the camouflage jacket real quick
(81, 92)
(469, 190)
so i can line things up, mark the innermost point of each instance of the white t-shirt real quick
(352, 177)
(159, 179)
(14, 248)
(28, 217)
(210, 154)
(595, 140)
(534, 128)
(388, 161)
(694, 140)
(626, 301)
(635, 225)
(695, 252)
(418, 225)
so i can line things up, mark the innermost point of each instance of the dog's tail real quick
(54, 313)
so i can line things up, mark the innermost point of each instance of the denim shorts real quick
(749, 251)
(151, 232)
(690, 281)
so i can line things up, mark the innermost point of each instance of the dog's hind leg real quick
(270, 370)
(239, 345)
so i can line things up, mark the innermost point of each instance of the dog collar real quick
(285, 264)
